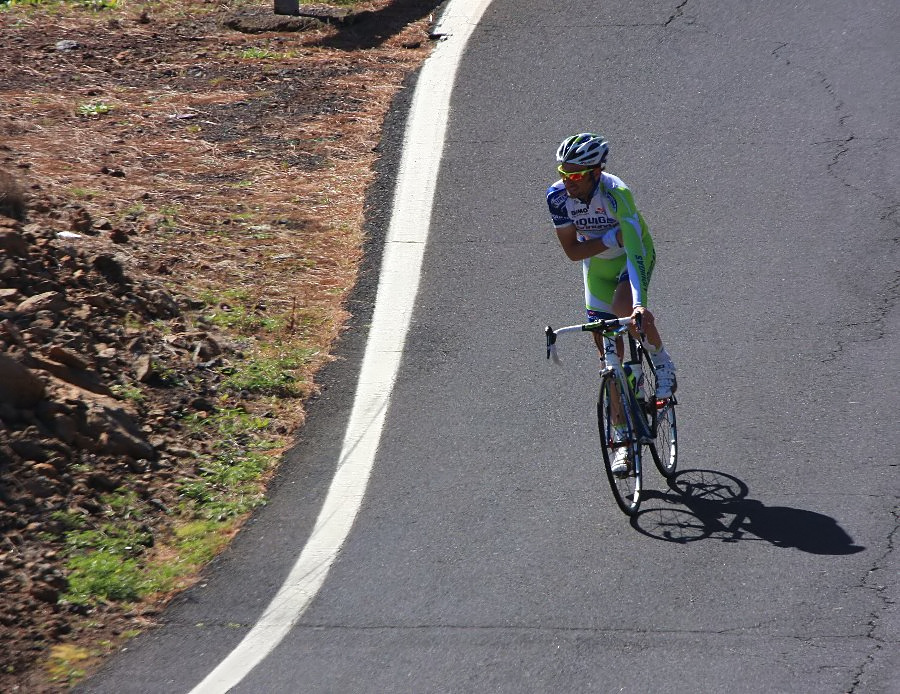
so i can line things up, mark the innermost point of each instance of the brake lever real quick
(551, 343)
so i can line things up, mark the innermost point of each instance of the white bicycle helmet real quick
(585, 149)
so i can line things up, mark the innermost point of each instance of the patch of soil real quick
(148, 155)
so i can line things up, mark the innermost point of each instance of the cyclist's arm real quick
(576, 249)
(632, 228)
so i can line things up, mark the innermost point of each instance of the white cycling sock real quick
(659, 356)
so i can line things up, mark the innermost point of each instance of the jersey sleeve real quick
(556, 201)
(621, 204)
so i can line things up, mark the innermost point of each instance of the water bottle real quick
(635, 375)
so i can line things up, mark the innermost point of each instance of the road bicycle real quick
(629, 415)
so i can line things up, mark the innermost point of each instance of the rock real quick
(117, 434)
(29, 449)
(11, 332)
(13, 243)
(255, 22)
(143, 368)
(102, 481)
(206, 349)
(322, 11)
(80, 221)
(65, 427)
(118, 235)
(46, 301)
(45, 593)
(110, 268)
(41, 486)
(85, 380)
(9, 294)
(19, 386)
(47, 470)
(67, 357)
(161, 303)
(9, 269)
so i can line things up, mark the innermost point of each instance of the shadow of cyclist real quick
(371, 28)
(784, 526)
(704, 504)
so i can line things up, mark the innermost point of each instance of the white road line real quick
(397, 288)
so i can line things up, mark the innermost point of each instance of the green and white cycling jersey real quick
(611, 207)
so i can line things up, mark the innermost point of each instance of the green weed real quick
(121, 539)
(269, 375)
(68, 520)
(82, 193)
(92, 109)
(258, 54)
(127, 391)
(228, 483)
(234, 309)
(107, 576)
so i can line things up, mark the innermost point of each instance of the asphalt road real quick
(760, 142)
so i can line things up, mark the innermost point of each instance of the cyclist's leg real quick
(592, 317)
(601, 279)
(616, 415)
(662, 361)
(622, 307)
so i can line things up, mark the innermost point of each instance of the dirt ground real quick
(151, 154)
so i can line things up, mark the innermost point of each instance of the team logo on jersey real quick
(557, 204)
(580, 210)
(595, 222)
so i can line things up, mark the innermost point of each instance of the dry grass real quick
(229, 171)
(235, 166)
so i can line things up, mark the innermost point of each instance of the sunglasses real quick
(573, 175)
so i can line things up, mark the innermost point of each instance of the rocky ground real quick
(153, 157)
(77, 328)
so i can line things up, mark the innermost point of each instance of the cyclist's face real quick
(579, 186)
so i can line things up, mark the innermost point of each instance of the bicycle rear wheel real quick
(660, 416)
(614, 407)
(648, 402)
(665, 446)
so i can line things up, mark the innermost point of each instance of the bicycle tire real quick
(648, 403)
(660, 416)
(664, 447)
(626, 488)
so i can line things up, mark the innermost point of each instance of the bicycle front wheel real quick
(665, 446)
(618, 438)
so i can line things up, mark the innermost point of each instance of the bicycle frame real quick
(610, 330)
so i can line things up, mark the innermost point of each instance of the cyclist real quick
(598, 223)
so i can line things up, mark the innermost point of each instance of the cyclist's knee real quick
(622, 302)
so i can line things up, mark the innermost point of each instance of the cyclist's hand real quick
(646, 317)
